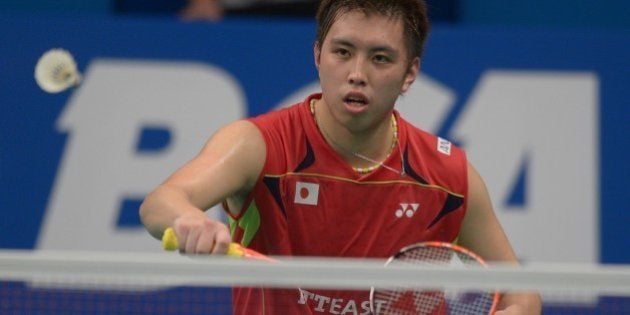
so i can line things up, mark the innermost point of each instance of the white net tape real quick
(26, 272)
(169, 268)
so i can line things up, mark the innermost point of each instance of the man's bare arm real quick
(227, 167)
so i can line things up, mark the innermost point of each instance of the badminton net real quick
(52, 282)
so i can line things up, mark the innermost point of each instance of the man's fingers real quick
(191, 241)
(222, 240)
(205, 243)
(201, 236)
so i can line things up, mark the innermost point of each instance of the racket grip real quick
(169, 240)
(170, 243)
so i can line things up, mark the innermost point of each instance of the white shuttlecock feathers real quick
(56, 71)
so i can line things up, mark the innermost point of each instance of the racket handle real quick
(170, 243)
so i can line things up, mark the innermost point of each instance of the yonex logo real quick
(406, 209)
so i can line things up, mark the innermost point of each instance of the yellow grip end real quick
(169, 240)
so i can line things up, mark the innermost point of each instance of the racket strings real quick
(404, 301)
(401, 301)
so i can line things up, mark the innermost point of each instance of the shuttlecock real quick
(56, 71)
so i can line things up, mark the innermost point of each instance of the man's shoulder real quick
(431, 146)
(285, 112)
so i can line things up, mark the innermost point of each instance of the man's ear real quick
(411, 75)
(317, 51)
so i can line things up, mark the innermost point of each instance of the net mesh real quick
(36, 282)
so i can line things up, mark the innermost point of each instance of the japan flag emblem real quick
(306, 193)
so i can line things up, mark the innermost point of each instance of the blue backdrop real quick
(270, 60)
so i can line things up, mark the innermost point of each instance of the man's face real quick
(363, 68)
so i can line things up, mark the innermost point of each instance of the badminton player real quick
(339, 174)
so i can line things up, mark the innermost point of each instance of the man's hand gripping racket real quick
(170, 243)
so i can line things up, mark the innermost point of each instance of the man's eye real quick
(342, 52)
(381, 59)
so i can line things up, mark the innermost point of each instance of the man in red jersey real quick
(339, 174)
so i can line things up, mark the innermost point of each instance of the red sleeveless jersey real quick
(309, 202)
